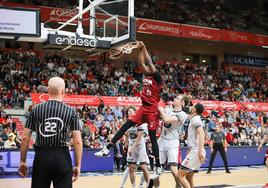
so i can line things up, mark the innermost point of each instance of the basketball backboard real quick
(111, 23)
(96, 27)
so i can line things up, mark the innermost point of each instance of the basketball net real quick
(119, 51)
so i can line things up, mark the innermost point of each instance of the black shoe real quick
(151, 184)
(208, 172)
(228, 172)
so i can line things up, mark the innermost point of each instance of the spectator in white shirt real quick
(61, 69)
(50, 65)
(10, 142)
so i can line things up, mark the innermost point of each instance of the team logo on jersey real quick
(167, 125)
(132, 135)
(147, 81)
(51, 127)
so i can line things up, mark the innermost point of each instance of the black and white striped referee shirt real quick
(52, 121)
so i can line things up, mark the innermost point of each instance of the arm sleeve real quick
(29, 122)
(74, 124)
(158, 78)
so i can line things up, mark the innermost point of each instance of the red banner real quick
(121, 101)
(220, 105)
(261, 40)
(158, 27)
(80, 100)
(203, 33)
(256, 107)
(237, 37)
(73, 100)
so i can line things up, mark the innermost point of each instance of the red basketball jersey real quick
(150, 91)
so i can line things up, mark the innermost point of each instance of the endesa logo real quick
(72, 41)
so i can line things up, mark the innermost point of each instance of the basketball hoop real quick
(119, 51)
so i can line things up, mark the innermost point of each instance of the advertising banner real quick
(246, 60)
(158, 27)
(197, 32)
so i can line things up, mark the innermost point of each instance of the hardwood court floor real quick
(243, 176)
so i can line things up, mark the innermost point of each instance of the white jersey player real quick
(169, 140)
(196, 152)
(265, 140)
(137, 154)
(137, 145)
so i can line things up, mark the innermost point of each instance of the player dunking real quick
(169, 139)
(196, 152)
(265, 140)
(148, 112)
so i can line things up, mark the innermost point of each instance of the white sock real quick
(124, 178)
(133, 186)
(142, 180)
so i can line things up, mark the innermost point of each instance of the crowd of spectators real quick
(9, 136)
(210, 13)
(24, 72)
(233, 15)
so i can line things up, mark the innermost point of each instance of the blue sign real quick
(246, 60)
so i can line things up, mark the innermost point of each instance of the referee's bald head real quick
(56, 86)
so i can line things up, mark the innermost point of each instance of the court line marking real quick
(241, 186)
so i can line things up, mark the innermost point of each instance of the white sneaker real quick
(103, 153)
(157, 172)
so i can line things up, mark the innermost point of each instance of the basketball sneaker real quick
(103, 153)
(157, 172)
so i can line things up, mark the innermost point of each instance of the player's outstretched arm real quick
(137, 141)
(201, 137)
(148, 59)
(141, 60)
(166, 118)
(78, 148)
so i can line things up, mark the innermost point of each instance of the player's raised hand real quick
(23, 170)
(142, 44)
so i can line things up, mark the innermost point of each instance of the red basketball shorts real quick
(146, 114)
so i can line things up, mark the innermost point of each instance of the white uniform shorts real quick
(192, 163)
(168, 151)
(138, 156)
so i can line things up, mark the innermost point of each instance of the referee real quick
(52, 121)
(218, 143)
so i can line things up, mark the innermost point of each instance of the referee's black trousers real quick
(216, 148)
(52, 165)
